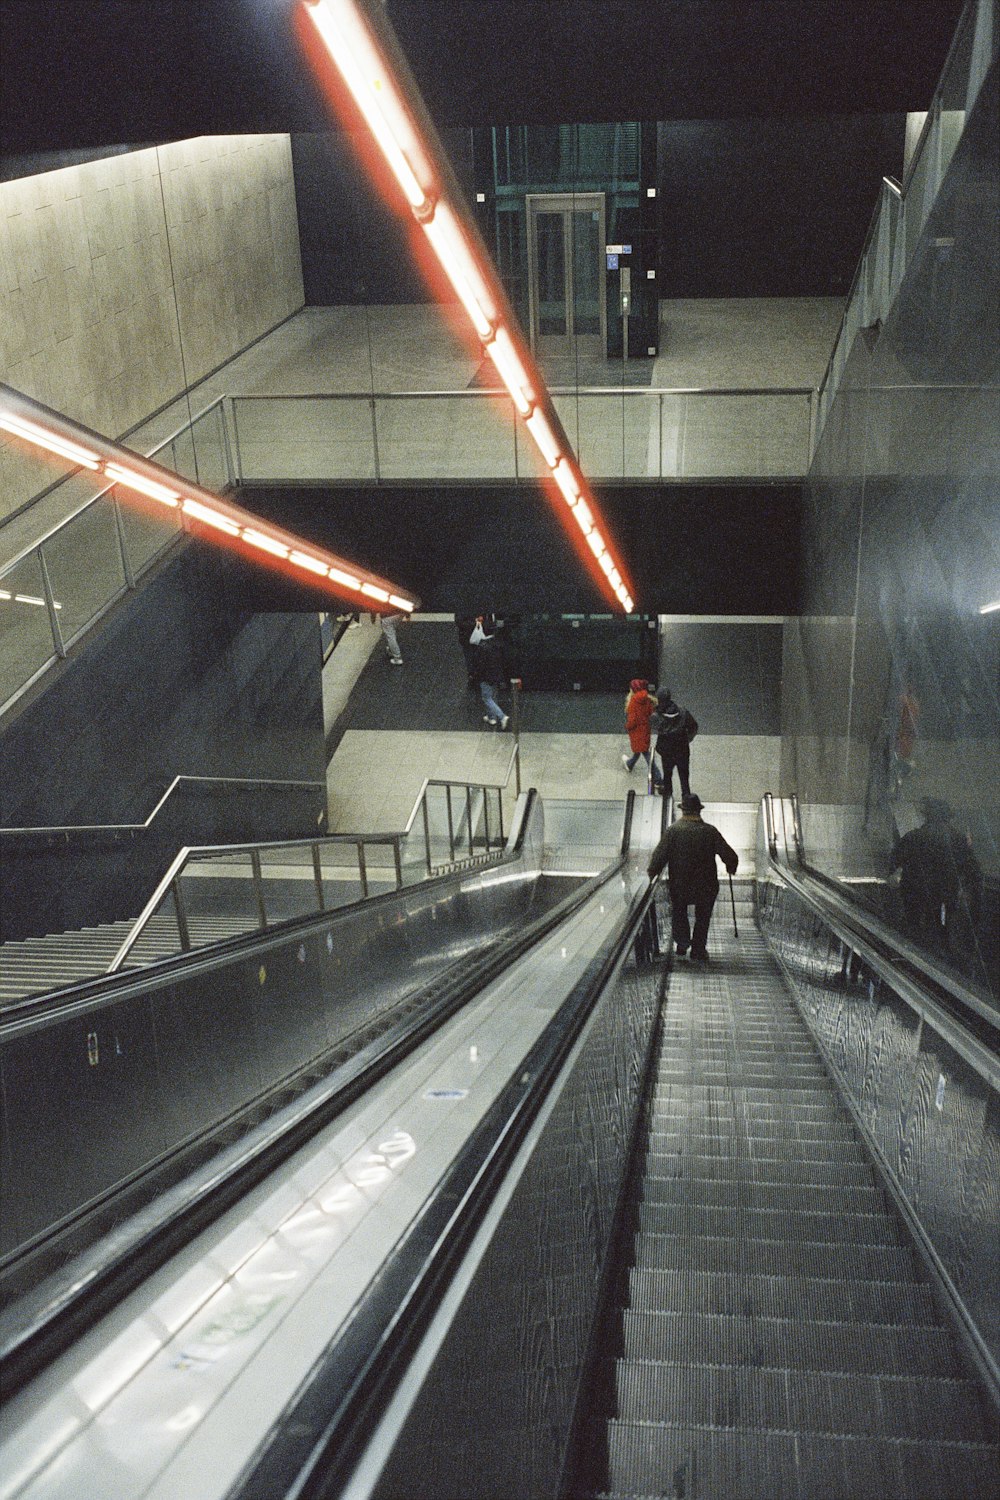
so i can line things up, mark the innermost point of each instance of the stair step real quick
(831, 1228)
(781, 1129)
(777, 1196)
(666, 1252)
(785, 1343)
(786, 1400)
(696, 1462)
(820, 1298)
(753, 1147)
(691, 1168)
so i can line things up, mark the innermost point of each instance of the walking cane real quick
(733, 900)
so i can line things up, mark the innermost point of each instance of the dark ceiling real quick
(93, 73)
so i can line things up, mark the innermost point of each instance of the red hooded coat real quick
(638, 711)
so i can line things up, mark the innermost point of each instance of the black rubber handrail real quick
(34, 1330)
(328, 1423)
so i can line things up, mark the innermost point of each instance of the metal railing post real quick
(375, 455)
(451, 825)
(120, 529)
(258, 885)
(427, 834)
(362, 867)
(50, 605)
(515, 685)
(468, 815)
(398, 863)
(231, 473)
(486, 818)
(236, 440)
(318, 873)
(183, 930)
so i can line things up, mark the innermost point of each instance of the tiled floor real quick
(403, 724)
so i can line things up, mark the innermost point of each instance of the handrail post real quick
(398, 863)
(427, 833)
(468, 815)
(486, 819)
(183, 930)
(362, 867)
(120, 529)
(515, 685)
(226, 445)
(236, 440)
(318, 873)
(500, 805)
(451, 825)
(50, 605)
(258, 885)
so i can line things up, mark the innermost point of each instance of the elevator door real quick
(566, 274)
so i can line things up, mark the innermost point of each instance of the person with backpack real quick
(677, 728)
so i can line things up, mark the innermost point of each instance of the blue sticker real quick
(446, 1093)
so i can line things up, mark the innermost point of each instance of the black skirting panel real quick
(689, 549)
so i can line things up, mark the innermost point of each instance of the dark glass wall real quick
(892, 674)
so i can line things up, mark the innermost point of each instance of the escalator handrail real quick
(876, 948)
(331, 1416)
(67, 1305)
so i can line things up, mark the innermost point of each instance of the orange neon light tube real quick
(32, 423)
(361, 46)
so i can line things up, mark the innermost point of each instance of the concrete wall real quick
(125, 279)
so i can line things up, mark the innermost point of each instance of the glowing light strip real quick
(142, 484)
(371, 87)
(356, 53)
(989, 609)
(52, 441)
(8, 598)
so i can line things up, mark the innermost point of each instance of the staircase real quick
(41, 964)
(778, 1337)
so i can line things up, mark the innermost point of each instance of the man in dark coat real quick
(677, 728)
(939, 871)
(687, 851)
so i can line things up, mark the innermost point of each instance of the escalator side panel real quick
(494, 1414)
(933, 1118)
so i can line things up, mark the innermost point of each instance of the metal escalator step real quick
(782, 1129)
(753, 1147)
(688, 1168)
(733, 1103)
(762, 1195)
(804, 1401)
(769, 1224)
(778, 1343)
(825, 1299)
(694, 1463)
(666, 1252)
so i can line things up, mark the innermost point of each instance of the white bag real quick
(478, 634)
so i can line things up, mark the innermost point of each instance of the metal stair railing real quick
(902, 209)
(452, 825)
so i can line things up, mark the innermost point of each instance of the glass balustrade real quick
(900, 215)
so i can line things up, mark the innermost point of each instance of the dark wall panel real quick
(183, 678)
(689, 549)
(766, 208)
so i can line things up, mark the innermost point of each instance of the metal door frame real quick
(591, 344)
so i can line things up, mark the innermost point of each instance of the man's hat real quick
(691, 803)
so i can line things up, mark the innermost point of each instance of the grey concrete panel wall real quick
(123, 280)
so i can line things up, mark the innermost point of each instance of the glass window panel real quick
(735, 436)
(447, 437)
(550, 249)
(588, 277)
(219, 897)
(436, 803)
(148, 528)
(413, 854)
(494, 803)
(619, 435)
(26, 642)
(288, 879)
(84, 564)
(477, 800)
(160, 937)
(288, 437)
(209, 450)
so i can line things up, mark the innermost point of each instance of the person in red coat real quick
(639, 708)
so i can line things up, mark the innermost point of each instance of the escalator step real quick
(666, 1252)
(801, 1148)
(806, 1197)
(816, 1297)
(830, 1131)
(833, 1228)
(698, 1463)
(713, 1338)
(689, 1168)
(784, 1400)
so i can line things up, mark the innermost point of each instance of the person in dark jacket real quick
(489, 670)
(939, 872)
(687, 851)
(673, 742)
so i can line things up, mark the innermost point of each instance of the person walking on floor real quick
(489, 670)
(688, 851)
(673, 742)
(389, 623)
(639, 707)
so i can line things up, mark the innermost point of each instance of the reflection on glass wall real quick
(892, 677)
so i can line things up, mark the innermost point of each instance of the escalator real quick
(774, 1333)
(616, 1226)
